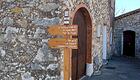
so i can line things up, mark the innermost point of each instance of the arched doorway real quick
(82, 55)
(129, 43)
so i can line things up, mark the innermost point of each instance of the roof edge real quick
(127, 14)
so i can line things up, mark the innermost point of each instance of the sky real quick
(124, 6)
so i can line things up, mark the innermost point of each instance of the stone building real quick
(126, 40)
(24, 50)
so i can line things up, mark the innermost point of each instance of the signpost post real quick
(67, 42)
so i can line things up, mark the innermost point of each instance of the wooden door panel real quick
(82, 44)
(74, 64)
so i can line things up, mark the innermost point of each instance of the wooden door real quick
(129, 43)
(79, 56)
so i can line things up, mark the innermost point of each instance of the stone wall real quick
(100, 12)
(24, 52)
(131, 22)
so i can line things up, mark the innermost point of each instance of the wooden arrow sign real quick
(63, 43)
(63, 30)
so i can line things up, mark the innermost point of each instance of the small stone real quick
(48, 7)
(1, 10)
(46, 21)
(16, 10)
(9, 33)
(8, 21)
(2, 52)
(2, 66)
(38, 31)
(1, 2)
(52, 66)
(23, 23)
(12, 29)
(8, 36)
(36, 66)
(24, 59)
(22, 39)
(27, 76)
(26, 11)
(39, 55)
(10, 0)
(32, 3)
(45, 40)
(1, 37)
(18, 77)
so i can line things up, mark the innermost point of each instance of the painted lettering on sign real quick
(63, 30)
(62, 43)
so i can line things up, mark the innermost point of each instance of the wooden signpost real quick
(68, 43)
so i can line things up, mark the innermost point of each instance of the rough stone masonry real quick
(129, 21)
(24, 52)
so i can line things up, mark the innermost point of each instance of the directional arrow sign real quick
(62, 43)
(63, 30)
